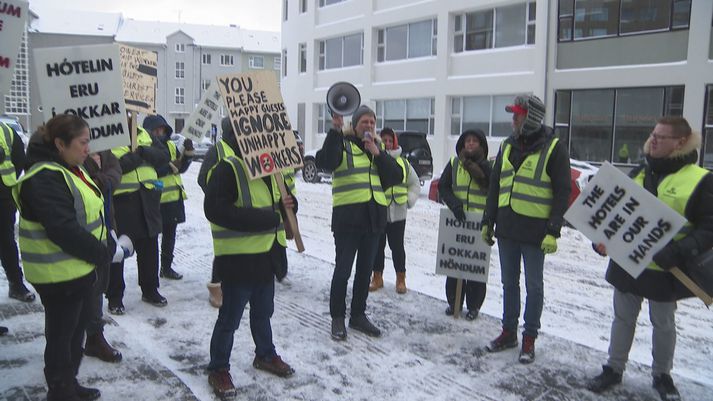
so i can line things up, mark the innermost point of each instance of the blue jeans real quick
(235, 297)
(511, 252)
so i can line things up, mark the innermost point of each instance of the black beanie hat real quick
(360, 112)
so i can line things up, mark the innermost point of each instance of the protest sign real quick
(13, 15)
(259, 118)
(461, 251)
(198, 123)
(630, 221)
(139, 78)
(85, 81)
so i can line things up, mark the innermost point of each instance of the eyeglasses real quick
(658, 137)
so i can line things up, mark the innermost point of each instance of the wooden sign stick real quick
(695, 289)
(134, 132)
(291, 218)
(457, 305)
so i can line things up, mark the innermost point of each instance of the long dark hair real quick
(66, 127)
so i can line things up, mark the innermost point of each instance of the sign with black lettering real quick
(13, 15)
(630, 221)
(199, 122)
(260, 122)
(85, 81)
(461, 251)
(139, 77)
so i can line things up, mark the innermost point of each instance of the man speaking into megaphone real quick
(361, 172)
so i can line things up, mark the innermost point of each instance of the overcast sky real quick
(261, 15)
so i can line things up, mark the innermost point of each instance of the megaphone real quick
(343, 98)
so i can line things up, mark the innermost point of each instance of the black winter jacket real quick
(221, 193)
(445, 182)
(663, 286)
(17, 155)
(514, 226)
(359, 217)
(107, 177)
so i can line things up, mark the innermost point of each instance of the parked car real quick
(580, 173)
(200, 149)
(14, 123)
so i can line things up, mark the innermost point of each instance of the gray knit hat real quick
(360, 112)
(535, 109)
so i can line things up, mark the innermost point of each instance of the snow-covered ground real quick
(422, 355)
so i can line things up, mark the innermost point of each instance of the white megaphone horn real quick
(343, 98)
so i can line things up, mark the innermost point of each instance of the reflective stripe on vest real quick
(466, 189)
(144, 175)
(528, 191)
(251, 194)
(7, 169)
(675, 190)
(399, 192)
(42, 260)
(222, 151)
(356, 179)
(289, 175)
(172, 183)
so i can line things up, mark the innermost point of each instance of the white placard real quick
(198, 123)
(13, 15)
(85, 81)
(461, 251)
(630, 221)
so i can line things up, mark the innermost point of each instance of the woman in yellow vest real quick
(399, 198)
(670, 172)
(62, 239)
(463, 186)
(361, 173)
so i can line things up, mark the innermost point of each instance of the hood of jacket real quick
(460, 144)
(153, 122)
(228, 135)
(37, 151)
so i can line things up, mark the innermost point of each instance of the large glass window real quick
(256, 62)
(708, 129)
(341, 52)
(406, 114)
(303, 57)
(407, 41)
(486, 113)
(636, 112)
(498, 27)
(324, 119)
(591, 129)
(180, 70)
(645, 15)
(510, 26)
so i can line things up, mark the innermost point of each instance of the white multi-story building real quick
(605, 68)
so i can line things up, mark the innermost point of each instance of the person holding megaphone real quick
(362, 171)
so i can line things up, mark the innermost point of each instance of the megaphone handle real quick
(291, 218)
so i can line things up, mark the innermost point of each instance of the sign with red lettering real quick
(13, 15)
(630, 221)
(461, 252)
(260, 121)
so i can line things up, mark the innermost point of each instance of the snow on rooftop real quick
(74, 22)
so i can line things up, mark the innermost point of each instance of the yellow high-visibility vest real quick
(399, 192)
(356, 179)
(144, 175)
(466, 189)
(7, 169)
(172, 183)
(223, 151)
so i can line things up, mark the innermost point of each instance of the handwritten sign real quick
(85, 81)
(198, 123)
(139, 77)
(630, 221)
(260, 122)
(461, 251)
(13, 15)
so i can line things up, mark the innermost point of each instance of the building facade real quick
(606, 68)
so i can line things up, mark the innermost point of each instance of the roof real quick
(64, 21)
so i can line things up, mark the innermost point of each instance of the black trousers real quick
(147, 262)
(473, 292)
(9, 256)
(95, 324)
(67, 310)
(395, 234)
(168, 244)
(348, 245)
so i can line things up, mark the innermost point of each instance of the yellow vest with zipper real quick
(528, 191)
(399, 193)
(466, 189)
(251, 194)
(675, 190)
(172, 183)
(144, 175)
(356, 179)
(42, 260)
(7, 169)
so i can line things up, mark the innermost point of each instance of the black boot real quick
(605, 380)
(169, 273)
(20, 292)
(61, 387)
(362, 323)
(86, 393)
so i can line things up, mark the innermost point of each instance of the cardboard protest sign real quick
(198, 123)
(85, 81)
(260, 122)
(630, 221)
(139, 77)
(13, 15)
(461, 251)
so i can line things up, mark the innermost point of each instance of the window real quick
(180, 47)
(256, 62)
(341, 52)
(612, 124)
(180, 96)
(406, 114)
(277, 63)
(226, 59)
(205, 84)
(413, 40)
(708, 129)
(303, 6)
(206, 59)
(499, 27)
(486, 113)
(284, 62)
(323, 3)
(180, 70)
(585, 19)
(303, 57)
(284, 10)
(179, 124)
(324, 119)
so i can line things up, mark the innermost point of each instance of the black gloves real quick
(669, 257)
(188, 144)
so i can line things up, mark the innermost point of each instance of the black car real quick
(414, 147)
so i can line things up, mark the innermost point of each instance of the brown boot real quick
(377, 281)
(98, 347)
(401, 283)
(215, 295)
